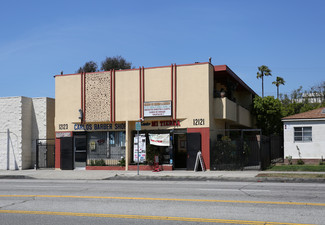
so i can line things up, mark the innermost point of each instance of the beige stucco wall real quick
(157, 84)
(244, 117)
(193, 94)
(194, 97)
(68, 100)
(127, 95)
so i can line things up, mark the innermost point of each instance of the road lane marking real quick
(142, 217)
(237, 190)
(165, 199)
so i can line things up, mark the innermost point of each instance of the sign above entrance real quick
(161, 108)
(99, 127)
(62, 134)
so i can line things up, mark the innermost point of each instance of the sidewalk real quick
(180, 175)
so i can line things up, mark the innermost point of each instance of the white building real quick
(23, 120)
(304, 136)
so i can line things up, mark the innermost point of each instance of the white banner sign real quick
(159, 139)
(163, 108)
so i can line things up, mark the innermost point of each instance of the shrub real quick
(99, 162)
(300, 162)
(121, 162)
(289, 158)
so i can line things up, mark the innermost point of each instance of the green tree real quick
(268, 112)
(89, 67)
(263, 71)
(278, 82)
(116, 62)
(302, 101)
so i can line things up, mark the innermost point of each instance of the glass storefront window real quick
(117, 139)
(106, 147)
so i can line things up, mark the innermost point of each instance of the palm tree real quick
(263, 71)
(278, 82)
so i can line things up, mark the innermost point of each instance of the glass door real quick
(80, 151)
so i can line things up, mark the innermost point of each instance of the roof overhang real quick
(224, 70)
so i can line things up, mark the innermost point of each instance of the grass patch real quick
(308, 168)
(293, 175)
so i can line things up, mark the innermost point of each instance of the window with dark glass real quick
(303, 134)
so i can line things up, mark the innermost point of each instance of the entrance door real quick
(80, 151)
(180, 156)
(66, 157)
(193, 146)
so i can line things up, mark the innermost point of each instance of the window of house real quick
(303, 134)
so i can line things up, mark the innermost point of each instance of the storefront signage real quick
(145, 124)
(62, 134)
(162, 108)
(101, 126)
(159, 139)
(165, 123)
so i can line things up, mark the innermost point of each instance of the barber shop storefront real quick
(99, 115)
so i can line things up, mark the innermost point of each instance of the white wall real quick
(308, 150)
(27, 120)
(10, 118)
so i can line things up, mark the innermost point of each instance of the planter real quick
(105, 167)
(131, 167)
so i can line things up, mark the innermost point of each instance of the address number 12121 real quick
(197, 122)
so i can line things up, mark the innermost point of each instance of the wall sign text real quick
(63, 126)
(198, 122)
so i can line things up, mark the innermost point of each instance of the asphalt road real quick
(159, 202)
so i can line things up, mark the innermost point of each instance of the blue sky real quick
(40, 38)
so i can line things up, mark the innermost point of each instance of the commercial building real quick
(23, 122)
(183, 109)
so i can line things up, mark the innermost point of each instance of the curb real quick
(232, 179)
(181, 178)
(15, 177)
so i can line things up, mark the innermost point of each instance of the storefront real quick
(96, 116)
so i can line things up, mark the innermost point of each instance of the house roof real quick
(312, 114)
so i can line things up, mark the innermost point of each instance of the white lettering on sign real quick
(62, 134)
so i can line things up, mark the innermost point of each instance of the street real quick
(159, 202)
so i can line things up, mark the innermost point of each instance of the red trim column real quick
(57, 153)
(82, 94)
(143, 91)
(84, 98)
(172, 88)
(111, 97)
(205, 143)
(114, 99)
(175, 98)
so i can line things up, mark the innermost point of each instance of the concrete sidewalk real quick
(180, 175)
